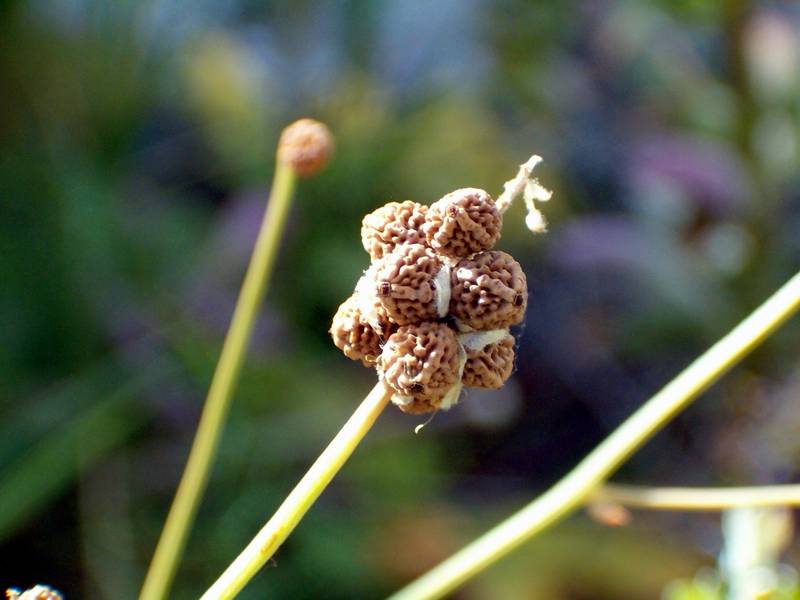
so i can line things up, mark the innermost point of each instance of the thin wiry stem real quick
(573, 490)
(195, 476)
(697, 499)
(272, 535)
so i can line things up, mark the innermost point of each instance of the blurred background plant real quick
(136, 143)
(749, 565)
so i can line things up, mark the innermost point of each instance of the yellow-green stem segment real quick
(574, 489)
(697, 499)
(297, 503)
(195, 476)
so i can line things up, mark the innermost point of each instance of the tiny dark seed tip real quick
(385, 288)
(452, 211)
(518, 300)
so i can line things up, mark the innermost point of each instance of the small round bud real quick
(305, 146)
(422, 364)
(391, 225)
(462, 223)
(413, 284)
(490, 358)
(489, 291)
(353, 334)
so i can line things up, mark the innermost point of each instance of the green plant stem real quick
(195, 476)
(572, 491)
(297, 503)
(697, 499)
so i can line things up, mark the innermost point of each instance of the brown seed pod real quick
(393, 224)
(462, 223)
(490, 358)
(413, 284)
(422, 364)
(306, 146)
(488, 291)
(353, 334)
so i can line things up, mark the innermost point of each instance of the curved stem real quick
(195, 476)
(697, 499)
(572, 491)
(272, 535)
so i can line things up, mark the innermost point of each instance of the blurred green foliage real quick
(136, 143)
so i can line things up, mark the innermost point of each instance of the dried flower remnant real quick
(39, 592)
(306, 146)
(462, 223)
(526, 185)
(391, 225)
(422, 364)
(488, 291)
(490, 358)
(413, 284)
(353, 334)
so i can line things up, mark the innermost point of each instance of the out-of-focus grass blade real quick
(44, 412)
(30, 484)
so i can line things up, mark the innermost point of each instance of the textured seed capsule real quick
(462, 223)
(413, 284)
(306, 146)
(490, 358)
(488, 291)
(422, 364)
(353, 334)
(393, 224)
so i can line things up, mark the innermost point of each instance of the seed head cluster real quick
(39, 592)
(432, 312)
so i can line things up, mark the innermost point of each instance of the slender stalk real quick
(195, 476)
(268, 540)
(571, 492)
(697, 499)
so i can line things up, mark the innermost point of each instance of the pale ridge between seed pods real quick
(367, 299)
(452, 396)
(443, 290)
(478, 340)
